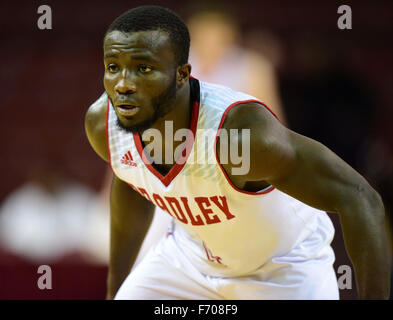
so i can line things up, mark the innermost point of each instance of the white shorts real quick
(166, 274)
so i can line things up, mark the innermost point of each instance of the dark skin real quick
(294, 164)
(146, 61)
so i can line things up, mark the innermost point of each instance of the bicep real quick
(312, 173)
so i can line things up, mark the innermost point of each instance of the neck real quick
(178, 118)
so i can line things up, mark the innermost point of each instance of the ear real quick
(183, 74)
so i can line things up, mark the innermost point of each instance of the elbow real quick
(365, 199)
(371, 200)
(373, 197)
(375, 202)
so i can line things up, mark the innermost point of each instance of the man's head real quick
(145, 56)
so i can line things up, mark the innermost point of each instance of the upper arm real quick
(297, 165)
(95, 126)
(131, 213)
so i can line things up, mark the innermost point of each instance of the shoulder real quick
(260, 136)
(95, 126)
(251, 115)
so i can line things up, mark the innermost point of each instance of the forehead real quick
(155, 43)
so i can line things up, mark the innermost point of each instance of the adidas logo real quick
(128, 160)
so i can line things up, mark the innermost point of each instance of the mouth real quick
(127, 110)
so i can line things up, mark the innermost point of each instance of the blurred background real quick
(329, 84)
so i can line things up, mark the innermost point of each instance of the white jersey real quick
(222, 230)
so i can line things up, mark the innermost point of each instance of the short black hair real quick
(147, 18)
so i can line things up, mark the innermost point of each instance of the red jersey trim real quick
(177, 167)
(107, 133)
(267, 189)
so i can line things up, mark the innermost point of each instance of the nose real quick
(125, 85)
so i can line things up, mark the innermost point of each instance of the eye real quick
(144, 68)
(112, 68)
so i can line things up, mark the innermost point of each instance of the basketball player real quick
(258, 234)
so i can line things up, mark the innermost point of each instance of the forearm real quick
(131, 216)
(123, 253)
(366, 242)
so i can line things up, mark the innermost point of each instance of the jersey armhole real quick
(263, 191)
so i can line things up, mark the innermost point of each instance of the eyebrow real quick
(139, 56)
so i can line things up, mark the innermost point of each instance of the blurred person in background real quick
(218, 56)
(52, 217)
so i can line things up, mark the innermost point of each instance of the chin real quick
(135, 127)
